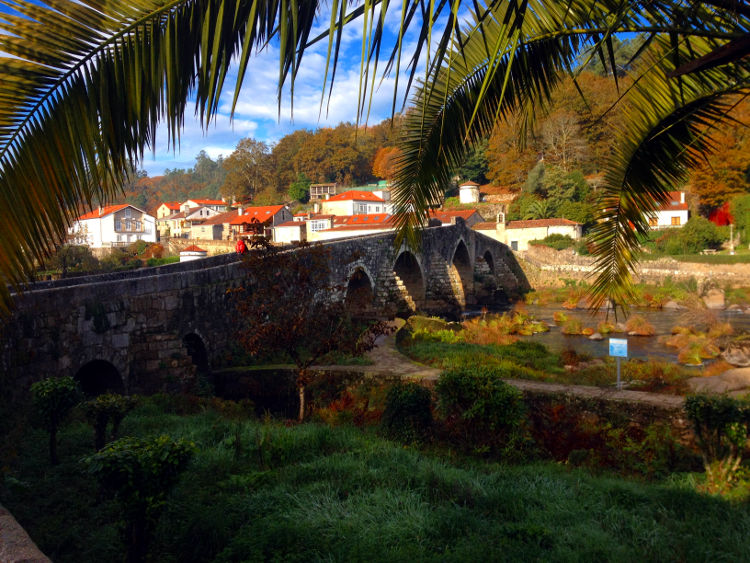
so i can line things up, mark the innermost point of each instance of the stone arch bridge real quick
(150, 329)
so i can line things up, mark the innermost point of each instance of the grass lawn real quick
(312, 493)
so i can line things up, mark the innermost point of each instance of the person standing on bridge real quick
(240, 247)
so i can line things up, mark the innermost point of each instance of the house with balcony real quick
(113, 225)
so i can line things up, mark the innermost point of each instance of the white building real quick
(674, 213)
(350, 226)
(468, 192)
(114, 225)
(354, 202)
(215, 204)
(517, 234)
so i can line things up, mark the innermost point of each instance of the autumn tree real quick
(291, 306)
(383, 165)
(249, 170)
(564, 144)
(726, 172)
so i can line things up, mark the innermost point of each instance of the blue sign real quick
(618, 347)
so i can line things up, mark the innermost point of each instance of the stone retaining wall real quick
(545, 266)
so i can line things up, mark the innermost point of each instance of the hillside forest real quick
(554, 167)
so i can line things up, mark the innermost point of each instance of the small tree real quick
(292, 307)
(104, 409)
(721, 427)
(53, 399)
(300, 189)
(141, 473)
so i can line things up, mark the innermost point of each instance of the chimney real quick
(240, 210)
(316, 208)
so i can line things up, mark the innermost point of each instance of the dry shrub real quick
(679, 340)
(720, 329)
(572, 326)
(559, 317)
(700, 319)
(690, 356)
(588, 331)
(605, 327)
(639, 326)
(495, 330)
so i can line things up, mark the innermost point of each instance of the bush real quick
(408, 413)
(721, 426)
(140, 472)
(53, 399)
(556, 241)
(696, 235)
(479, 409)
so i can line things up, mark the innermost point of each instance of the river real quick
(641, 347)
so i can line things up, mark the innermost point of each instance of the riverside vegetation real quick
(386, 472)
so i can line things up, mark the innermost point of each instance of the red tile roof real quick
(358, 195)
(445, 215)
(208, 201)
(485, 226)
(221, 218)
(292, 224)
(104, 211)
(673, 203)
(468, 183)
(256, 214)
(171, 204)
(362, 219)
(193, 248)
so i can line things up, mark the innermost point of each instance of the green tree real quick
(141, 473)
(53, 399)
(72, 258)
(249, 170)
(740, 208)
(82, 95)
(300, 189)
(475, 166)
(105, 409)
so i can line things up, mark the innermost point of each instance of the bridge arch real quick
(196, 349)
(99, 376)
(462, 272)
(360, 291)
(490, 261)
(410, 282)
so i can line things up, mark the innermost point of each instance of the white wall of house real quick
(353, 207)
(518, 239)
(333, 234)
(287, 234)
(121, 228)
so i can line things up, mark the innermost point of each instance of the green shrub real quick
(53, 399)
(479, 409)
(408, 413)
(721, 428)
(140, 472)
(696, 235)
(556, 241)
(104, 409)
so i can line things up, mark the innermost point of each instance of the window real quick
(653, 221)
(675, 221)
(128, 212)
(318, 225)
(514, 245)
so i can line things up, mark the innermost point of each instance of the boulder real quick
(714, 299)
(737, 353)
(733, 380)
(596, 336)
(673, 305)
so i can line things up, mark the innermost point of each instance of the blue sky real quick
(257, 114)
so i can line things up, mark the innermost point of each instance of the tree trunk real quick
(53, 459)
(301, 416)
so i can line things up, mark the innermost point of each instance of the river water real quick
(642, 347)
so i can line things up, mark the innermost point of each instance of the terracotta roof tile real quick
(104, 211)
(256, 214)
(531, 223)
(193, 248)
(358, 195)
